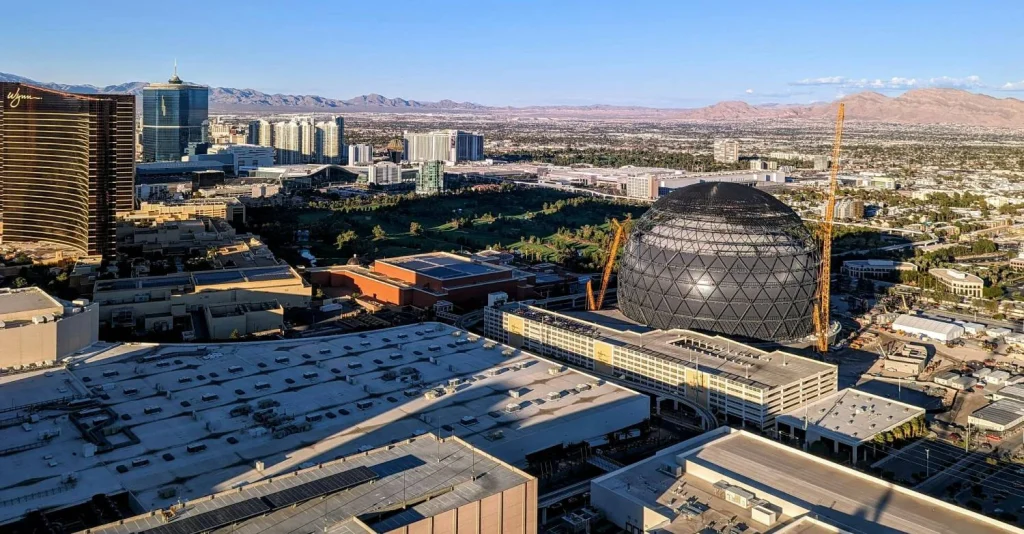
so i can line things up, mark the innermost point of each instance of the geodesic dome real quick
(724, 258)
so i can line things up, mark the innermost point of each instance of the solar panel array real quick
(232, 513)
(443, 267)
(268, 273)
(217, 277)
(249, 508)
(323, 486)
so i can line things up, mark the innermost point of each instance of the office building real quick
(849, 209)
(959, 282)
(718, 377)
(173, 115)
(644, 186)
(450, 146)
(330, 141)
(37, 329)
(422, 280)
(820, 163)
(360, 154)
(288, 142)
(383, 174)
(421, 485)
(875, 268)
(727, 150)
(67, 166)
(431, 180)
(763, 165)
(732, 477)
(272, 399)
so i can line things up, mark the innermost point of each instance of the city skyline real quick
(686, 56)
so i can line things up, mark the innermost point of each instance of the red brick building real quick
(423, 279)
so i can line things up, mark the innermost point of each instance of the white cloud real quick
(749, 91)
(894, 83)
(1012, 86)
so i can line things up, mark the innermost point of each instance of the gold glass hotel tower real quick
(67, 166)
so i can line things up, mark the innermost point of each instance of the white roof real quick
(928, 325)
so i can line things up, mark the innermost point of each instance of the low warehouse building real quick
(1000, 416)
(928, 328)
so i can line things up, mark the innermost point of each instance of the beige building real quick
(36, 328)
(642, 186)
(227, 320)
(153, 303)
(229, 209)
(849, 208)
(734, 382)
(959, 282)
(727, 150)
(875, 268)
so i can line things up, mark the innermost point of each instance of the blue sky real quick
(677, 53)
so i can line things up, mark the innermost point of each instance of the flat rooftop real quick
(1014, 392)
(23, 303)
(809, 494)
(712, 354)
(182, 418)
(200, 278)
(1004, 412)
(444, 266)
(838, 495)
(852, 416)
(953, 275)
(432, 477)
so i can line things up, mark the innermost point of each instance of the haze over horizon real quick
(654, 54)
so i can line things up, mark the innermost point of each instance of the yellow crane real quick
(594, 303)
(821, 307)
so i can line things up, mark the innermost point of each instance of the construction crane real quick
(821, 307)
(594, 303)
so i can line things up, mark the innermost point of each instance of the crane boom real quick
(821, 308)
(595, 303)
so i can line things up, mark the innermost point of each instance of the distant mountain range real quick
(919, 106)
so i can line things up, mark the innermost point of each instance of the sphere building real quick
(722, 258)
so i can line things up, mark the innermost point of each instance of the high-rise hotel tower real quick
(173, 116)
(67, 166)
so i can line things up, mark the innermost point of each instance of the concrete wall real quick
(245, 323)
(34, 343)
(513, 511)
(622, 510)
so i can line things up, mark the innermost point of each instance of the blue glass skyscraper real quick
(172, 117)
